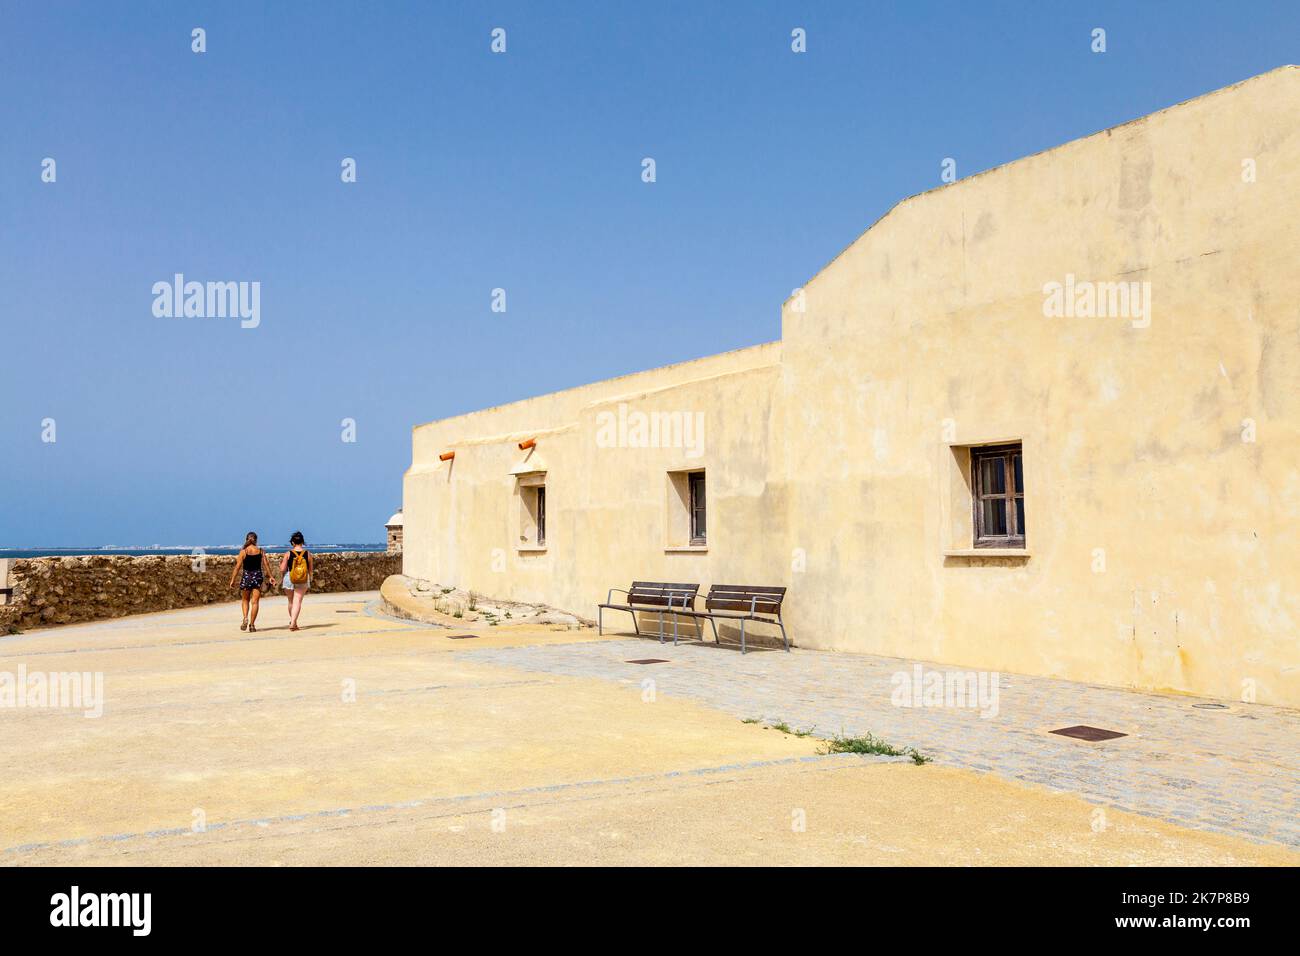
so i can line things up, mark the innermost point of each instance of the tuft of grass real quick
(871, 744)
(782, 726)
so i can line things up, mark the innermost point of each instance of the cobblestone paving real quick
(1232, 770)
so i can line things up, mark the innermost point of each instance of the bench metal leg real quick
(713, 624)
(781, 625)
(742, 635)
(675, 630)
(600, 623)
(635, 626)
(661, 627)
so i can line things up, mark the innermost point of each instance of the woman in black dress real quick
(252, 572)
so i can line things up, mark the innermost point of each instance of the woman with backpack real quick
(252, 571)
(296, 566)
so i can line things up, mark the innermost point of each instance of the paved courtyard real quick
(363, 739)
(1232, 770)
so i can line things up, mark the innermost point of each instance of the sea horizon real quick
(54, 551)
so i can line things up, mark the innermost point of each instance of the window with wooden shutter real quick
(699, 514)
(998, 484)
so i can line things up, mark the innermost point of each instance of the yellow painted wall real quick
(607, 506)
(833, 446)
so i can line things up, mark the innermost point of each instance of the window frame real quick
(541, 515)
(697, 507)
(1007, 453)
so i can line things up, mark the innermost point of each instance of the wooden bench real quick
(741, 602)
(650, 596)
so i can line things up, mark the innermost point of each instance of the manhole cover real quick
(1211, 706)
(1083, 732)
(648, 660)
(461, 637)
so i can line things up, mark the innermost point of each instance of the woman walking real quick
(297, 566)
(252, 571)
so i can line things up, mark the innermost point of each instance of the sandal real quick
(244, 626)
(251, 629)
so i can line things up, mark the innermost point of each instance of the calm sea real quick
(158, 549)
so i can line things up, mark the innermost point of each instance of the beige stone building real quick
(1045, 420)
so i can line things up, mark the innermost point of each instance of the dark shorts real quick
(252, 581)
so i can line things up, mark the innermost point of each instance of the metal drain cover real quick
(1211, 706)
(649, 660)
(461, 637)
(1084, 732)
(345, 612)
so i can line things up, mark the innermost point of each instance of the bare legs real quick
(250, 602)
(295, 606)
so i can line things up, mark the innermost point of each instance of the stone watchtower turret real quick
(394, 527)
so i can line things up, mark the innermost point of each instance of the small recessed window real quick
(998, 485)
(699, 511)
(532, 512)
(686, 521)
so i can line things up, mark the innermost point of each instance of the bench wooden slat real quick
(755, 607)
(665, 599)
(662, 594)
(747, 598)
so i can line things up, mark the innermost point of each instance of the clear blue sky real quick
(475, 171)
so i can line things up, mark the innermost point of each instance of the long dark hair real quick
(297, 538)
(250, 538)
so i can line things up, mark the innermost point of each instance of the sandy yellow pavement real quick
(365, 740)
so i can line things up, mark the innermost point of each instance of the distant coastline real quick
(144, 551)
